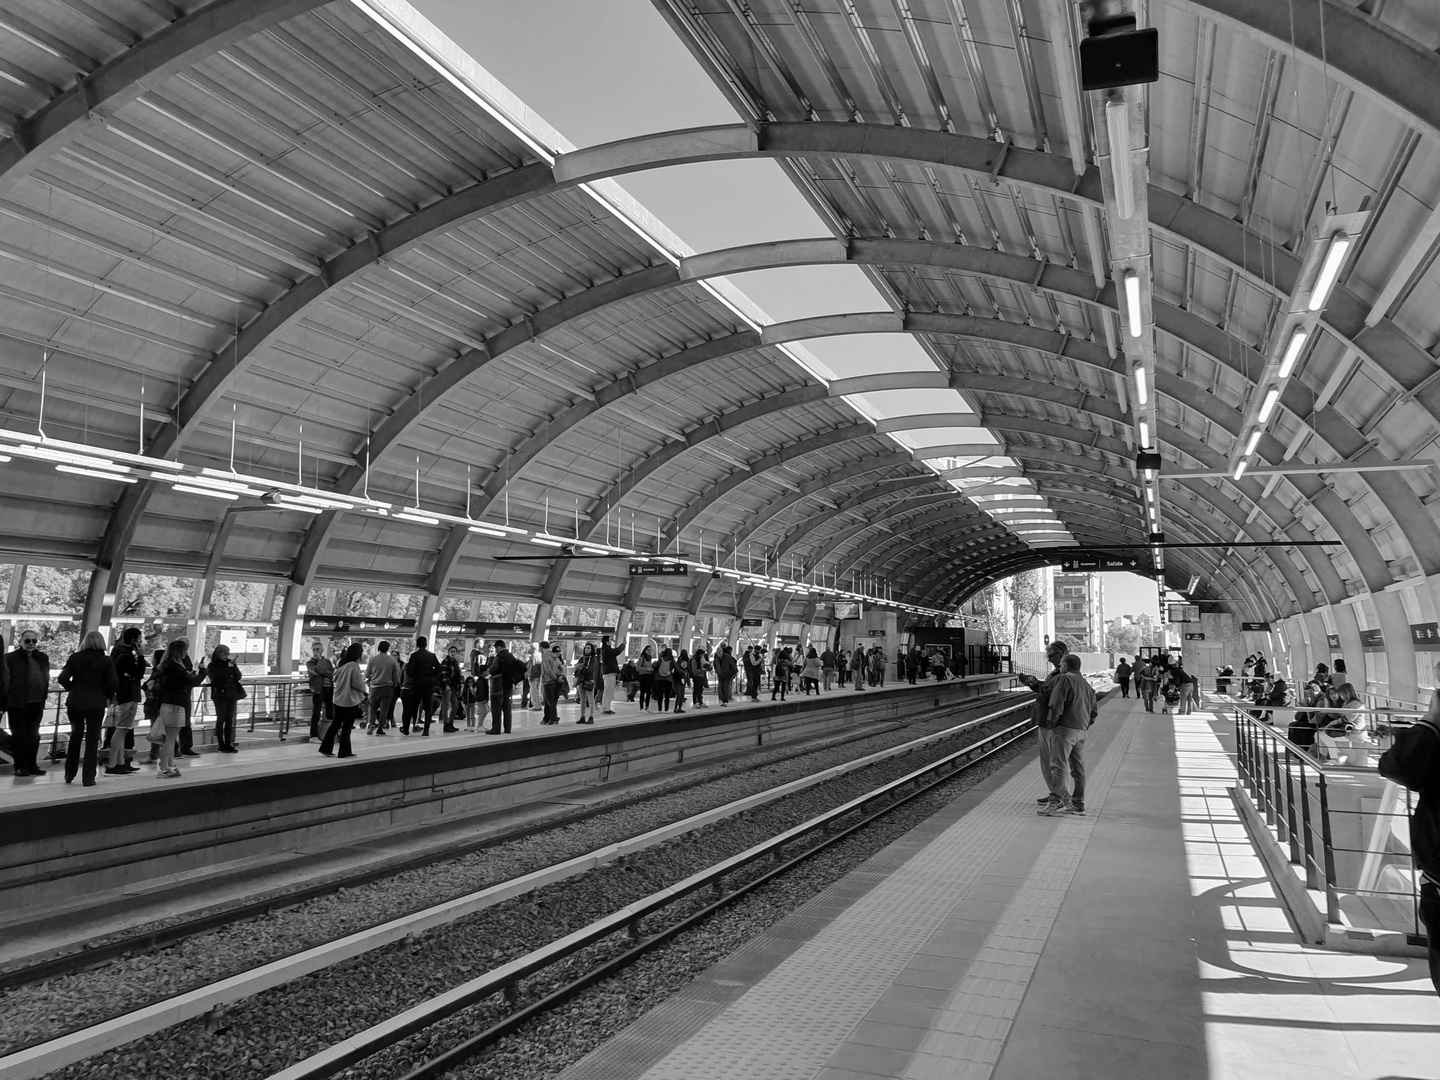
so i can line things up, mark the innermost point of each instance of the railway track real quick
(211, 1001)
(84, 955)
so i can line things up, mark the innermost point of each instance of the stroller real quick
(1171, 695)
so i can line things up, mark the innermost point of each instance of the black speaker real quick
(1123, 59)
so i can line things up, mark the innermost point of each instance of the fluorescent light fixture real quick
(594, 550)
(1329, 271)
(1268, 405)
(100, 474)
(1254, 442)
(1149, 476)
(314, 503)
(546, 541)
(485, 530)
(1240, 469)
(1132, 319)
(1117, 122)
(84, 461)
(419, 517)
(214, 493)
(1142, 391)
(1144, 433)
(210, 484)
(1292, 351)
(3, 459)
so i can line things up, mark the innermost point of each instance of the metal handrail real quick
(1290, 788)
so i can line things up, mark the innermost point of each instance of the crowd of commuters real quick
(111, 693)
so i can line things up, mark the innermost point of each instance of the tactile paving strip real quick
(863, 942)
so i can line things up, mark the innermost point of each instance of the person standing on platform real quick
(504, 673)
(320, 673)
(89, 676)
(1183, 681)
(900, 656)
(645, 675)
(225, 695)
(810, 672)
(1123, 671)
(725, 671)
(699, 677)
(1055, 653)
(610, 668)
(530, 691)
(857, 666)
(130, 671)
(451, 679)
(552, 670)
(912, 665)
(1147, 682)
(752, 674)
(382, 674)
(681, 674)
(630, 679)
(1072, 711)
(151, 689)
(349, 698)
(1414, 762)
(422, 672)
(589, 682)
(664, 680)
(27, 671)
(780, 676)
(175, 679)
(827, 668)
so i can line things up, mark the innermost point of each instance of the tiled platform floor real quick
(1140, 941)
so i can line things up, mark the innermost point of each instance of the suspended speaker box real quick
(1120, 59)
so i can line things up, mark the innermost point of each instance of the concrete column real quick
(734, 636)
(622, 626)
(687, 632)
(204, 590)
(1347, 625)
(292, 626)
(100, 599)
(17, 587)
(542, 622)
(1318, 645)
(425, 621)
(1429, 595)
(772, 633)
(1399, 650)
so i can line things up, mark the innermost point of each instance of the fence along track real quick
(505, 978)
(62, 1050)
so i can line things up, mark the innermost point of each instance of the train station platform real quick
(1142, 940)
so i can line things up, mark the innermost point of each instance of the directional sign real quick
(1372, 641)
(1083, 560)
(1425, 637)
(466, 628)
(1255, 627)
(1194, 637)
(638, 569)
(349, 624)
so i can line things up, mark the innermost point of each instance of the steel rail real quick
(506, 978)
(41, 1058)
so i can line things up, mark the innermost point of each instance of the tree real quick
(1123, 640)
(1028, 601)
(988, 607)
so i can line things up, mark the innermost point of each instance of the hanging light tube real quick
(1144, 433)
(213, 493)
(1292, 351)
(419, 517)
(100, 474)
(1329, 271)
(1142, 391)
(1117, 123)
(1133, 322)
(1268, 405)
(1240, 469)
(1254, 441)
(486, 530)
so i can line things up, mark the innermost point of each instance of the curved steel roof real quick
(315, 243)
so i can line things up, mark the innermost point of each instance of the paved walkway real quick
(1140, 941)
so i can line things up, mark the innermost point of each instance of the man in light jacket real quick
(1055, 652)
(382, 675)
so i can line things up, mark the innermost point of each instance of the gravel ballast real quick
(272, 1030)
(42, 1011)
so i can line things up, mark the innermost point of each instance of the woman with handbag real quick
(174, 682)
(348, 699)
(589, 681)
(225, 694)
(89, 676)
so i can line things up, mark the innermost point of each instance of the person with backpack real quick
(681, 674)
(645, 676)
(699, 677)
(664, 680)
(552, 675)
(422, 672)
(505, 673)
(630, 679)
(1414, 762)
(780, 677)
(725, 671)
(589, 682)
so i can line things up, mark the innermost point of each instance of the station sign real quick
(1195, 637)
(751, 622)
(1332, 640)
(1255, 627)
(1180, 613)
(1425, 636)
(349, 624)
(465, 628)
(1372, 641)
(1082, 561)
(645, 569)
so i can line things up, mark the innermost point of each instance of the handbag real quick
(156, 734)
(564, 685)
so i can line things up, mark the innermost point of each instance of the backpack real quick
(515, 671)
(662, 670)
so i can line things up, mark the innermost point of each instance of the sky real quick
(600, 70)
(1129, 594)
